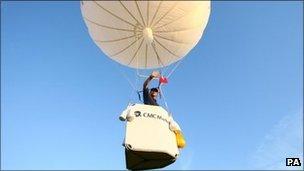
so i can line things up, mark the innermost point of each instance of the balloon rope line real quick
(175, 67)
(137, 66)
(128, 80)
(131, 97)
(142, 76)
(136, 81)
(137, 70)
(163, 95)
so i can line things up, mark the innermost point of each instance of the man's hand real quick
(155, 74)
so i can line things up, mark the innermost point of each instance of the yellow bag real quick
(180, 140)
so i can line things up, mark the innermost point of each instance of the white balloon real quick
(146, 34)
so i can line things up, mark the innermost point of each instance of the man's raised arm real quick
(154, 74)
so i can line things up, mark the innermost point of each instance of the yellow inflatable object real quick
(180, 140)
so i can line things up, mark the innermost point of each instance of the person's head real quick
(154, 92)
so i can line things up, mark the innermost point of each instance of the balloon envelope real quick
(146, 34)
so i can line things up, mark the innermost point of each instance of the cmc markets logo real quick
(149, 115)
(137, 113)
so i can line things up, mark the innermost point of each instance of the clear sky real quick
(237, 95)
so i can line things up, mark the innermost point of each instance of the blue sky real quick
(237, 95)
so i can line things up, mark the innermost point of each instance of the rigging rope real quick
(138, 75)
(128, 80)
(174, 68)
(164, 99)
